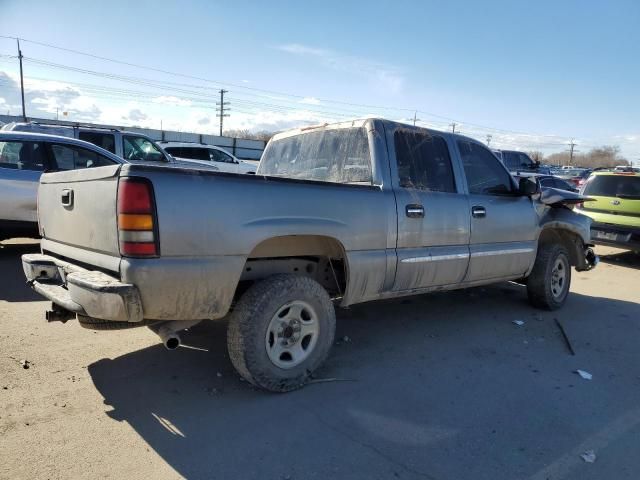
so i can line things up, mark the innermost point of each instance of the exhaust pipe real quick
(170, 340)
(168, 332)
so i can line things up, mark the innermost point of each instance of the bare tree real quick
(536, 155)
(605, 156)
(244, 133)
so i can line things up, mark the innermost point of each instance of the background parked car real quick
(23, 158)
(210, 155)
(517, 162)
(127, 145)
(615, 210)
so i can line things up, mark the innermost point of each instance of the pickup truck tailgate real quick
(78, 208)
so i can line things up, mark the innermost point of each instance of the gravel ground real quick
(440, 386)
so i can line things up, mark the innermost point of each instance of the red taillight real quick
(134, 196)
(137, 224)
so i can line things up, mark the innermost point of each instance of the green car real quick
(616, 209)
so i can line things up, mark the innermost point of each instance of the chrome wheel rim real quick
(559, 278)
(292, 334)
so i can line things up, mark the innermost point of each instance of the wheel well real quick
(569, 240)
(315, 256)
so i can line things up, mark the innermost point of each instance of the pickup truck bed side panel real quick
(192, 225)
(270, 208)
(199, 287)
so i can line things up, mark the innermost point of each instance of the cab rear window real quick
(339, 156)
(620, 186)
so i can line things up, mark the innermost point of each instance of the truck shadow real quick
(624, 259)
(407, 383)
(14, 287)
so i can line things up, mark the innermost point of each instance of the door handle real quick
(67, 197)
(478, 211)
(415, 211)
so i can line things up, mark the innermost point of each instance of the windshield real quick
(338, 156)
(614, 186)
(140, 148)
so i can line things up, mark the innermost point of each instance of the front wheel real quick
(280, 331)
(549, 281)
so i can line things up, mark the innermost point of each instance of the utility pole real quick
(222, 108)
(571, 151)
(24, 113)
(453, 127)
(489, 137)
(415, 118)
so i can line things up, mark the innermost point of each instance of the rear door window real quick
(19, 155)
(485, 174)
(423, 161)
(192, 153)
(103, 140)
(620, 186)
(71, 157)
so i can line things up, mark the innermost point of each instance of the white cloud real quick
(310, 101)
(387, 77)
(135, 115)
(171, 100)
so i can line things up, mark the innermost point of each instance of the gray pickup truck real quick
(345, 213)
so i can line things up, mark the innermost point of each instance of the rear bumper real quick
(90, 293)
(615, 236)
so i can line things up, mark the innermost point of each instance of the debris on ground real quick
(212, 391)
(589, 456)
(518, 322)
(584, 374)
(327, 380)
(565, 337)
(25, 364)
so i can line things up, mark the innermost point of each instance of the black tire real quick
(542, 291)
(249, 326)
(91, 323)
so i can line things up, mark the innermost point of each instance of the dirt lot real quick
(440, 386)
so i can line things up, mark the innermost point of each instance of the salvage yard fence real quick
(243, 148)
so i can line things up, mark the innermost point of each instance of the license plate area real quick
(612, 236)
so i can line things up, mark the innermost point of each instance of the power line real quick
(167, 72)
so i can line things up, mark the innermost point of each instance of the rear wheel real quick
(281, 331)
(549, 282)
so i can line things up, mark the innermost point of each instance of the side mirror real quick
(528, 187)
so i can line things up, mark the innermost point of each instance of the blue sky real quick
(531, 74)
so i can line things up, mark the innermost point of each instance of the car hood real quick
(555, 196)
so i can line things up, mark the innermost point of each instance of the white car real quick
(209, 155)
